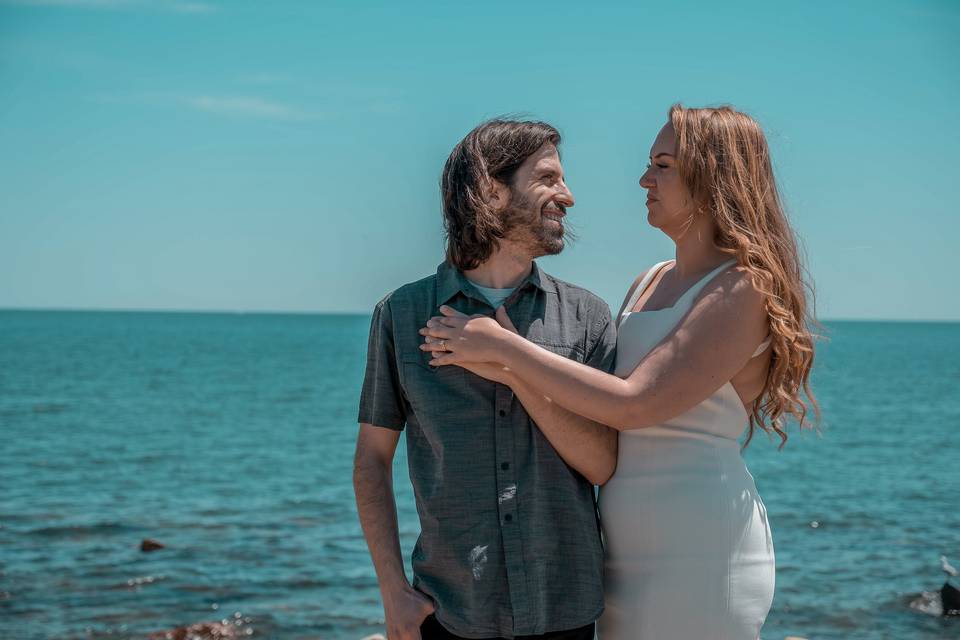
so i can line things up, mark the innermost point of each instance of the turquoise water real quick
(229, 439)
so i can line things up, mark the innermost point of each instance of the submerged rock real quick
(149, 544)
(203, 631)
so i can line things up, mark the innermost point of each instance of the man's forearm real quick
(377, 508)
(587, 446)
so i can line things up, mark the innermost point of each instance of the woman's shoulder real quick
(735, 287)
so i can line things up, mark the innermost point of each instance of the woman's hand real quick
(456, 338)
(493, 371)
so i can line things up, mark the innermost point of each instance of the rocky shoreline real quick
(227, 629)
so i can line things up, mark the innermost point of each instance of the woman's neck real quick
(695, 251)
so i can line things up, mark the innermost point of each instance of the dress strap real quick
(692, 292)
(644, 284)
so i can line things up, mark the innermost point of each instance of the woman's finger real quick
(447, 359)
(437, 332)
(434, 344)
(443, 321)
(450, 311)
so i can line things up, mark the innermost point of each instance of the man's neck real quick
(505, 269)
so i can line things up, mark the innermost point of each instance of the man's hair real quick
(493, 151)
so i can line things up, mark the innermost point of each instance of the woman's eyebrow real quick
(662, 153)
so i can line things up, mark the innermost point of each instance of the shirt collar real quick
(451, 281)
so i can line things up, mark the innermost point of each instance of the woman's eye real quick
(663, 166)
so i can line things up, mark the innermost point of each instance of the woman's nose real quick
(646, 181)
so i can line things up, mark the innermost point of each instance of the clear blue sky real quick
(284, 155)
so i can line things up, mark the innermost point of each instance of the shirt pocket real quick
(428, 388)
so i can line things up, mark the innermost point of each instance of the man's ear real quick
(496, 195)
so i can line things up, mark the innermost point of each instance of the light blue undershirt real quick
(494, 296)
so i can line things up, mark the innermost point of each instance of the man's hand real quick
(505, 320)
(405, 610)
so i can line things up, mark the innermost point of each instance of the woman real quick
(710, 343)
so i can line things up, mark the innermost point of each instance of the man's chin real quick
(551, 247)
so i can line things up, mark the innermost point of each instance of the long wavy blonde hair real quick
(724, 160)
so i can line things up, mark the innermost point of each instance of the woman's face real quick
(669, 203)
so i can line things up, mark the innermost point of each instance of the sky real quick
(285, 156)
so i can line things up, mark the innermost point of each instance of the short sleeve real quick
(381, 399)
(602, 351)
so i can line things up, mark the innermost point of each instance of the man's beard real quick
(524, 225)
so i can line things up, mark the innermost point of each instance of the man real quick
(509, 544)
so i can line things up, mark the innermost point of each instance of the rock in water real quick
(150, 545)
(201, 631)
(950, 597)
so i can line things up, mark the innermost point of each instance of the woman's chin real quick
(654, 220)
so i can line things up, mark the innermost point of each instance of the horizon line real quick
(368, 313)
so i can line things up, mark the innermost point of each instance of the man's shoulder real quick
(411, 293)
(575, 294)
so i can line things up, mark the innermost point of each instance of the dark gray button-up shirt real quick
(509, 541)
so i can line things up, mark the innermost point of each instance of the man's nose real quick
(565, 196)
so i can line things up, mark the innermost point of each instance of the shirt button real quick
(507, 518)
(504, 465)
(502, 413)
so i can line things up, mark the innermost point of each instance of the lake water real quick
(229, 438)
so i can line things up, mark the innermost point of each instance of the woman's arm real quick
(588, 447)
(709, 346)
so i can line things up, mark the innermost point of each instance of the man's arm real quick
(382, 417)
(404, 607)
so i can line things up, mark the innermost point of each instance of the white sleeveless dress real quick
(689, 554)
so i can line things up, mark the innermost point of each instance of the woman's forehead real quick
(665, 142)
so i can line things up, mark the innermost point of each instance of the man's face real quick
(538, 203)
